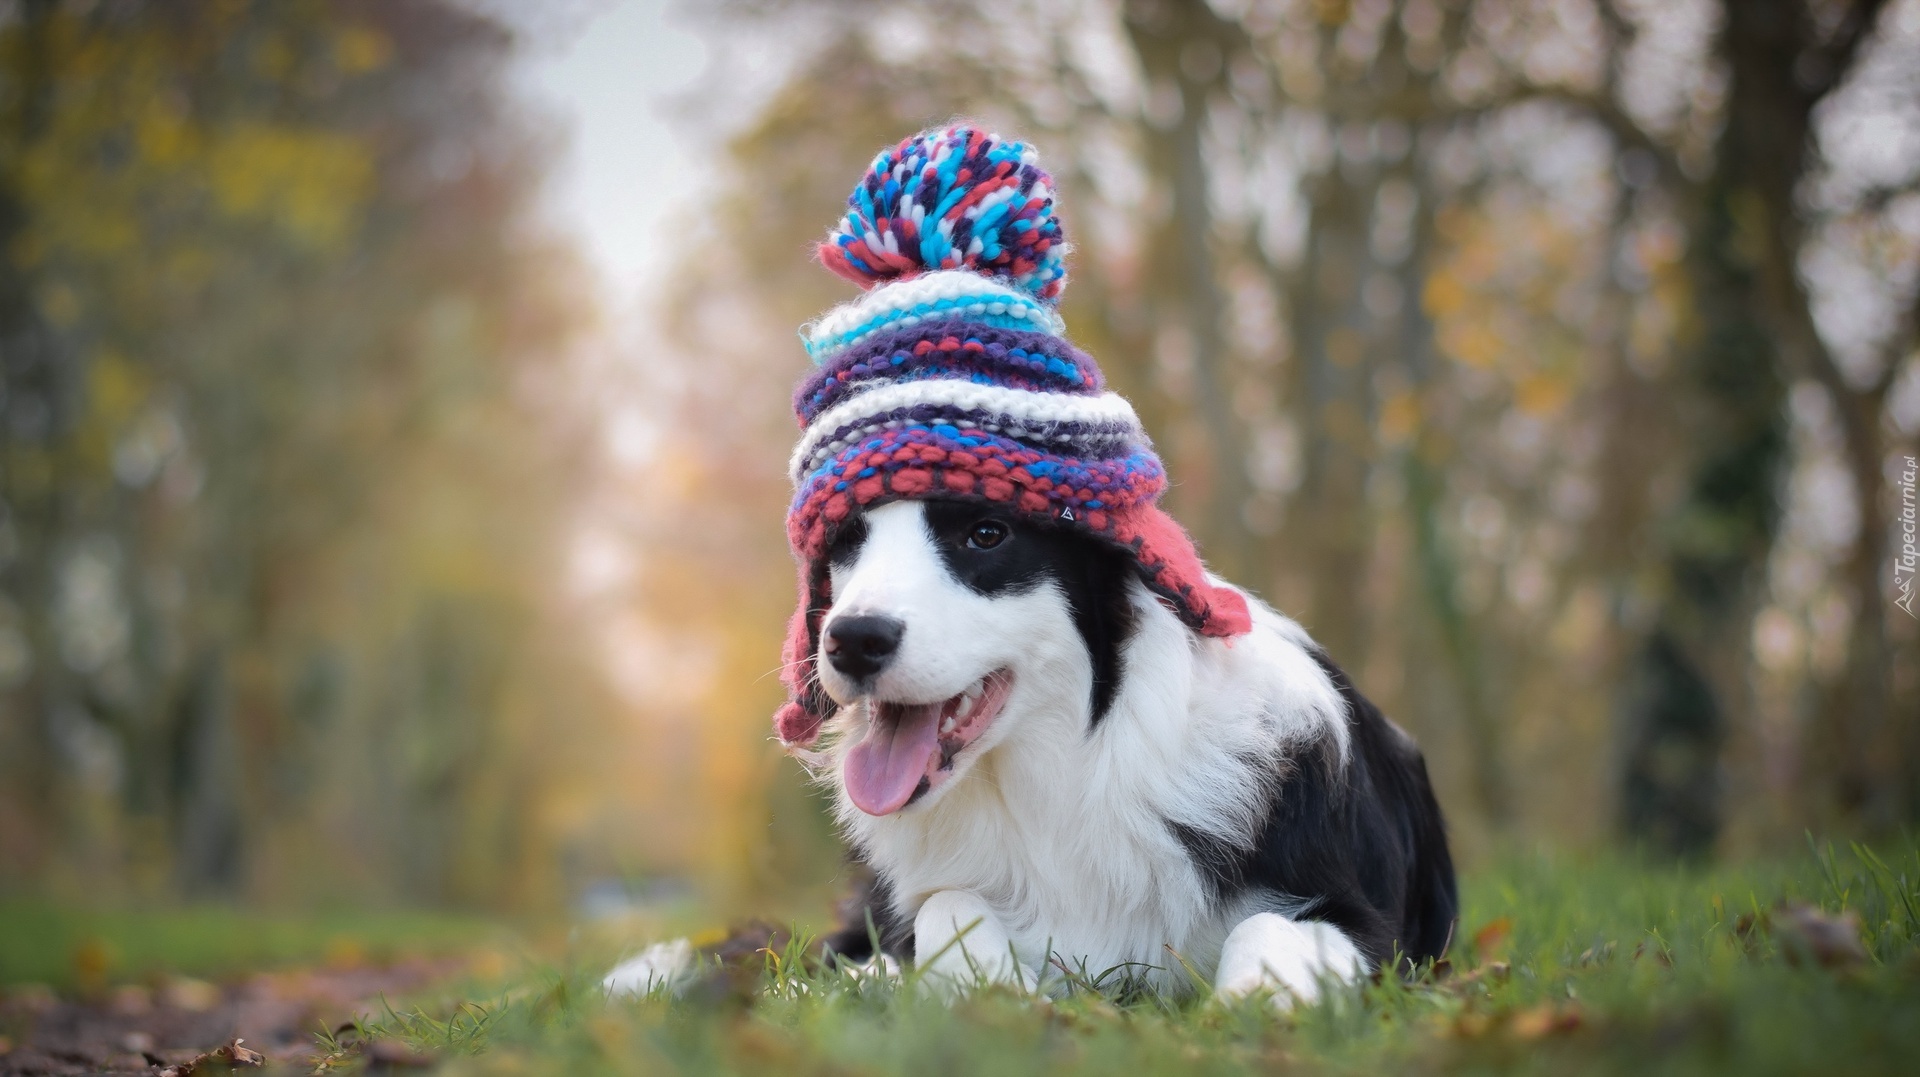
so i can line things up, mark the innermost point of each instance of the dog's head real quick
(953, 627)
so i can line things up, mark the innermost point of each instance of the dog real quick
(1043, 767)
(1064, 750)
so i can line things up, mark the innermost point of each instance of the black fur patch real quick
(1093, 575)
(847, 542)
(866, 914)
(1363, 848)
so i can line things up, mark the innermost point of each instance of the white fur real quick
(1293, 959)
(669, 968)
(961, 943)
(1061, 831)
(666, 967)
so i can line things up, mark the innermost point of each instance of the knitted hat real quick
(951, 378)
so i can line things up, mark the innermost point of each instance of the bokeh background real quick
(394, 401)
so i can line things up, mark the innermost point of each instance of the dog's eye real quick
(852, 535)
(986, 534)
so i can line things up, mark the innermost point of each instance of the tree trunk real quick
(36, 407)
(1691, 678)
(1163, 34)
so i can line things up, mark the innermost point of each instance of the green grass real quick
(77, 949)
(1580, 966)
(1564, 965)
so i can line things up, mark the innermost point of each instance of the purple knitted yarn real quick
(951, 198)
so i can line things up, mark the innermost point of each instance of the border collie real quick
(1044, 768)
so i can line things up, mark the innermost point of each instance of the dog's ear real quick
(1099, 579)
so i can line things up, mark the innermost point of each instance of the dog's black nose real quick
(861, 646)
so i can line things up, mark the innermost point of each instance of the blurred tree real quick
(1755, 332)
(37, 406)
(1485, 308)
(1182, 51)
(277, 336)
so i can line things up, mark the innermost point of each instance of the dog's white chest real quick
(1068, 879)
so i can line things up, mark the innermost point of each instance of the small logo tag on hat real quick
(1066, 513)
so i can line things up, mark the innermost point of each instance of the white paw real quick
(1294, 959)
(664, 967)
(960, 944)
(879, 969)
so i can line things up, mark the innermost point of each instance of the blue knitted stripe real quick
(1041, 320)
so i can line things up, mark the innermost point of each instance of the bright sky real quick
(605, 70)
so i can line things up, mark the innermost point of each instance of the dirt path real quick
(139, 1030)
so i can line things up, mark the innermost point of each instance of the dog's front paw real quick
(1294, 959)
(664, 968)
(960, 944)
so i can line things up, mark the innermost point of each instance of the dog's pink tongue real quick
(883, 770)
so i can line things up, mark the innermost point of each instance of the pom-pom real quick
(951, 198)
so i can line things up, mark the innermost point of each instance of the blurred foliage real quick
(1545, 359)
(1485, 337)
(283, 465)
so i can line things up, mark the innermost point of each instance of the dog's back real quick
(1364, 843)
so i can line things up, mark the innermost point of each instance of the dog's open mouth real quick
(909, 747)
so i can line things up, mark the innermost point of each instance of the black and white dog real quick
(1044, 767)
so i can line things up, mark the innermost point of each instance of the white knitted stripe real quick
(1019, 413)
(902, 294)
(893, 305)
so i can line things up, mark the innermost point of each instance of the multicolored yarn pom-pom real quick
(951, 198)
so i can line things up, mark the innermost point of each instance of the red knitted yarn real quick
(912, 463)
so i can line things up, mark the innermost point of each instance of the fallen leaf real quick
(236, 1055)
(1474, 983)
(6, 1046)
(1811, 936)
(227, 1055)
(1489, 938)
(1543, 1020)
